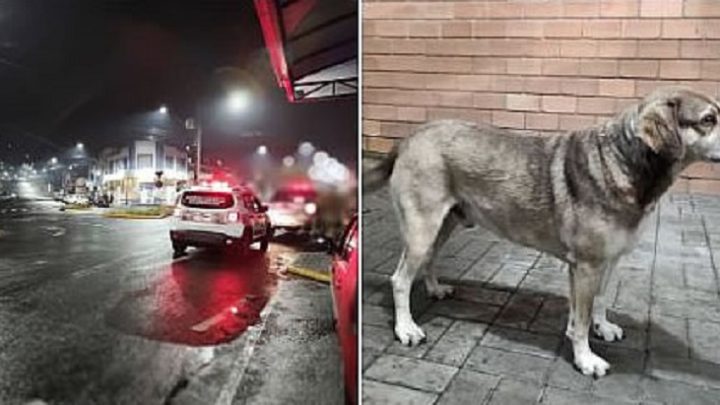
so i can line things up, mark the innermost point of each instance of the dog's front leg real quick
(603, 328)
(585, 281)
(406, 330)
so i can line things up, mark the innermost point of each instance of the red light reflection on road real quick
(209, 299)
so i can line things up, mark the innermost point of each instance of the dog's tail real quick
(376, 177)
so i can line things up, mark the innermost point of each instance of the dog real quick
(581, 196)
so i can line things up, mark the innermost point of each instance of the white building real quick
(130, 172)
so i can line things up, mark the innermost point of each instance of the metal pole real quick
(199, 152)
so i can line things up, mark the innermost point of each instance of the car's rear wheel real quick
(264, 243)
(243, 245)
(179, 248)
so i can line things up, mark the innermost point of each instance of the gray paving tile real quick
(668, 337)
(522, 342)
(563, 373)
(623, 381)
(688, 371)
(520, 310)
(556, 396)
(469, 387)
(475, 292)
(377, 393)
(457, 343)
(376, 338)
(704, 340)
(377, 315)
(500, 362)
(552, 317)
(514, 392)
(674, 393)
(414, 373)
(509, 277)
(470, 311)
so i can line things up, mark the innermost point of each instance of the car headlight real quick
(310, 208)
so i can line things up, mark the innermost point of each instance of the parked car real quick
(6, 195)
(219, 217)
(344, 289)
(293, 207)
(76, 199)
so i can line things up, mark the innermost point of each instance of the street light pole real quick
(199, 152)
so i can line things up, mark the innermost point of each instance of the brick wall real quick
(530, 64)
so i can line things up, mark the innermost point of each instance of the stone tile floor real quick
(500, 339)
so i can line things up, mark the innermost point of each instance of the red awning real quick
(312, 45)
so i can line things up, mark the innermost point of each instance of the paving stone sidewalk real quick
(500, 339)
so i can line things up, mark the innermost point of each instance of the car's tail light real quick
(232, 217)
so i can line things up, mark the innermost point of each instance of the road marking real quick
(55, 230)
(182, 258)
(219, 317)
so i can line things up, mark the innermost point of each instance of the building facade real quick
(143, 172)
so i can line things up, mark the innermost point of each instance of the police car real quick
(219, 216)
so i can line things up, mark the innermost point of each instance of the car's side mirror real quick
(263, 208)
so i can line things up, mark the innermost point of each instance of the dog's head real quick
(680, 124)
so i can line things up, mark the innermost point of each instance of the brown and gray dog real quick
(581, 197)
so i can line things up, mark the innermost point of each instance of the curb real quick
(130, 216)
(322, 276)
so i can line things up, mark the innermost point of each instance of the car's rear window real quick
(207, 199)
(296, 196)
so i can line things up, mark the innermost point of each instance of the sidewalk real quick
(500, 339)
(291, 356)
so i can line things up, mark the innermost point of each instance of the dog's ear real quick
(659, 127)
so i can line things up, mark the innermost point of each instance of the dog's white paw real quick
(440, 291)
(409, 333)
(591, 364)
(608, 331)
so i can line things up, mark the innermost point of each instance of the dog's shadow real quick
(536, 320)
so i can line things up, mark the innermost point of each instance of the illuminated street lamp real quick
(262, 150)
(54, 160)
(237, 101)
(80, 146)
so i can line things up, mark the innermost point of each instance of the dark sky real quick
(95, 71)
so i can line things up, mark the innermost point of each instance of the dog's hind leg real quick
(420, 232)
(432, 285)
(603, 328)
(585, 281)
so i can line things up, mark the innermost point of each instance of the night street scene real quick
(178, 202)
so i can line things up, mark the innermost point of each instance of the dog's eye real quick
(709, 120)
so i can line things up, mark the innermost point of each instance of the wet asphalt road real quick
(97, 310)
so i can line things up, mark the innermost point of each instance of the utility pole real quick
(194, 123)
(199, 152)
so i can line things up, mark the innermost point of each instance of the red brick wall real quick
(529, 64)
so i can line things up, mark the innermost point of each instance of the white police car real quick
(218, 216)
